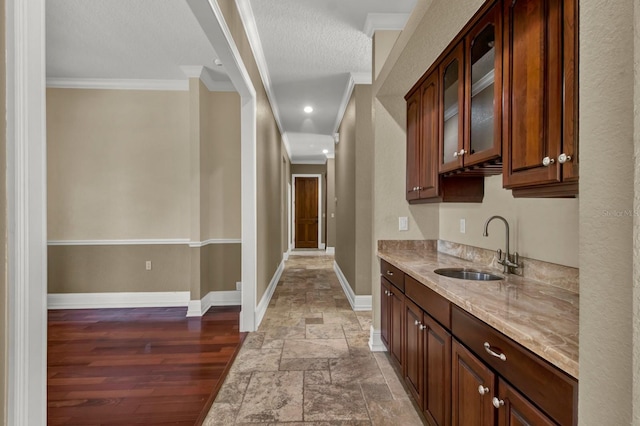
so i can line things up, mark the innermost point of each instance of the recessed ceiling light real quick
(325, 151)
(308, 109)
(218, 62)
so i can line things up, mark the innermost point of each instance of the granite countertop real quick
(539, 316)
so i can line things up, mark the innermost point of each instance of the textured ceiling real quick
(311, 48)
(308, 51)
(125, 39)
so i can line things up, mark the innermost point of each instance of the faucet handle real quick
(499, 253)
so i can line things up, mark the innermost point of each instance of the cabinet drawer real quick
(552, 390)
(430, 301)
(393, 274)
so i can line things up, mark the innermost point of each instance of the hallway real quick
(310, 361)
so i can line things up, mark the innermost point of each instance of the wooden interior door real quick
(306, 219)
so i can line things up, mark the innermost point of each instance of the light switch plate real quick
(463, 226)
(403, 223)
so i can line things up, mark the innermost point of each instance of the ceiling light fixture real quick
(325, 151)
(218, 62)
(308, 109)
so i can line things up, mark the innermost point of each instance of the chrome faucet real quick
(510, 261)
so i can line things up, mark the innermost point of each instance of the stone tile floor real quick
(309, 363)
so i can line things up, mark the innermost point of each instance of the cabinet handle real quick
(416, 322)
(546, 161)
(459, 154)
(390, 273)
(563, 158)
(422, 327)
(390, 293)
(386, 292)
(487, 347)
(483, 390)
(497, 402)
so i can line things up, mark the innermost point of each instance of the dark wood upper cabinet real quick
(507, 102)
(483, 93)
(452, 116)
(540, 97)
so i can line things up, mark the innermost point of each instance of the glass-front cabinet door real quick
(483, 139)
(452, 111)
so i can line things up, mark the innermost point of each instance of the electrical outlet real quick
(403, 223)
(147, 265)
(463, 226)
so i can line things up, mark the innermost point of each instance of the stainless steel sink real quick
(468, 274)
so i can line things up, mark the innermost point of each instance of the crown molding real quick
(117, 84)
(204, 75)
(287, 145)
(384, 21)
(310, 162)
(343, 104)
(248, 20)
(361, 77)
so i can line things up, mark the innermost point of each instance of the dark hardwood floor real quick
(146, 366)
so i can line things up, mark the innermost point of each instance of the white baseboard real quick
(331, 250)
(322, 246)
(375, 341)
(285, 255)
(266, 298)
(198, 308)
(117, 300)
(238, 286)
(358, 303)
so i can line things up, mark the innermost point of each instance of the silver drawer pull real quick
(487, 347)
(390, 273)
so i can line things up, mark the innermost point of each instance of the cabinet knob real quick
(563, 158)
(483, 390)
(390, 293)
(386, 292)
(497, 402)
(390, 273)
(422, 327)
(459, 153)
(416, 322)
(546, 161)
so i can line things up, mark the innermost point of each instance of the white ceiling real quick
(310, 53)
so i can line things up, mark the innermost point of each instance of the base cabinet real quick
(462, 372)
(391, 327)
(472, 389)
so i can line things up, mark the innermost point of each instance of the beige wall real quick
(544, 229)
(269, 161)
(636, 228)
(315, 169)
(383, 42)
(603, 241)
(345, 151)
(331, 202)
(287, 196)
(162, 165)
(118, 164)
(607, 302)
(354, 187)
(3, 229)
(118, 268)
(221, 267)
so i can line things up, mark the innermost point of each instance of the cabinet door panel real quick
(483, 85)
(396, 327)
(451, 109)
(384, 311)
(468, 406)
(533, 91)
(428, 174)
(414, 362)
(517, 411)
(413, 144)
(437, 373)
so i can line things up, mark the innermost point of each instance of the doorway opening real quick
(307, 209)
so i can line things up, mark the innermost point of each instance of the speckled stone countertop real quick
(541, 317)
